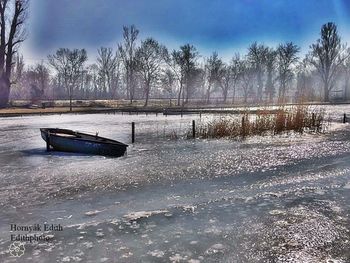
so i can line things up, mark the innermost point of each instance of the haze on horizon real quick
(221, 26)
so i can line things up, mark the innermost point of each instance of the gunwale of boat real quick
(65, 135)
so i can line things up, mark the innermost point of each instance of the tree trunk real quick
(234, 94)
(269, 88)
(246, 95)
(70, 98)
(346, 88)
(179, 95)
(326, 91)
(282, 92)
(147, 93)
(260, 87)
(131, 96)
(187, 94)
(131, 88)
(183, 97)
(4, 91)
(225, 94)
(270, 97)
(208, 93)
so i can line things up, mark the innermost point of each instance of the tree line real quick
(143, 69)
(13, 14)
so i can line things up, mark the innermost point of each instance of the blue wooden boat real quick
(71, 141)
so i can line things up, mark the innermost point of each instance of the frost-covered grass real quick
(297, 119)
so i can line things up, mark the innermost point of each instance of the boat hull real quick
(66, 144)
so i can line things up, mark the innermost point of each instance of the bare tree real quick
(257, 56)
(183, 63)
(270, 62)
(18, 89)
(188, 57)
(116, 77)
(69, 64)
(127, 53)
(42, 76)
(287, 57)
(108, 64)
(18, 69)
(225, 80)
(247, 79)
(149, 59)
(168, 80)
(304, 81)
(37, 77)
(175, 65)
(236, 72)
(13, 14)
(229, 76)
(214, 67)
(346, 70)
(196, 83)
(95, 79)
(327, 55)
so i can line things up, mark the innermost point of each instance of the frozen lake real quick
(265, 199)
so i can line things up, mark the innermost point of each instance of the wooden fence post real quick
(132, 132)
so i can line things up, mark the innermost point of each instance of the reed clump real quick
(297, 119)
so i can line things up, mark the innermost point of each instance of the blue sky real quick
(226, 26)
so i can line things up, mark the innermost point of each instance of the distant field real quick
(39, 110)
(193, 103)
(22, 107)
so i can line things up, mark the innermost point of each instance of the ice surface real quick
(277, 199)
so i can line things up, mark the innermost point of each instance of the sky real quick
(225, 26)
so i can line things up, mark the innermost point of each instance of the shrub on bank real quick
(298, 119)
